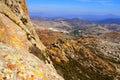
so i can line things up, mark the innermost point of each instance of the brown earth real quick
(47, 36)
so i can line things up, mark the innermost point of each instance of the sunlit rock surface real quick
(18, 43)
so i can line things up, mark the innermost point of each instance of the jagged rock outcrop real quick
(18, 40)
(15, 20)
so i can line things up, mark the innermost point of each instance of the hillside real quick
(48, 36)
(61, 26)
(90, 52)
(114, 27)
(87, 58)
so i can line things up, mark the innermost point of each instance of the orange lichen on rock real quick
(11, 34)
(17, 36)
(10, 66)
(15, 66)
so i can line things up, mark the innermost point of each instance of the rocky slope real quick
(47, 36)
(18, 43)
(86, 58)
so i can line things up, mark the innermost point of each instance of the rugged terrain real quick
(69, 49)
(18, 43)
(87, 52)
(86, 58)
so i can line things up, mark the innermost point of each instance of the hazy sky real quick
(65, 7)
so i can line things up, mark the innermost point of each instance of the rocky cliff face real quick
(15, 23)
(18, 40)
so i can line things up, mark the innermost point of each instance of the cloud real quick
(84, 0)
(101, 2)
(105, 2)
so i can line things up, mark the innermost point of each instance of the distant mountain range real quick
(109, 21)
(69, 24)
(90, 17)
(98, 17)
